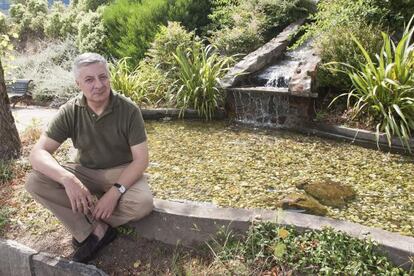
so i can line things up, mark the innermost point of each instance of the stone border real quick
(358, 136)
(173, 113)
(19, 260)
(190, 223)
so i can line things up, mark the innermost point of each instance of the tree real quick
(10, 144)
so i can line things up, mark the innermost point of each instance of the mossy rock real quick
(329, 192)
(302, 202)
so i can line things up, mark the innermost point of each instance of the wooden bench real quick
(19, 90)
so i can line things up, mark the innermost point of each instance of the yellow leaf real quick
(137, 264)
(283, 233)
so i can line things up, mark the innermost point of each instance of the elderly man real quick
(105, 187)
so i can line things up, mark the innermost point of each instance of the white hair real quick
(86, 59)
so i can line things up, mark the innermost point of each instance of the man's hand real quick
(79, 196)
(106, 204)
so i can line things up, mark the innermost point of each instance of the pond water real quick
(233, 166)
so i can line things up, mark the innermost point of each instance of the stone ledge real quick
(358, 136)
(190, 224)
(173, 113)
(20, 260)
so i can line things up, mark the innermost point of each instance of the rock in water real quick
(302, 202)
(329, 192)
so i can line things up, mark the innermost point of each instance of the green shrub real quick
(166, 42)
(339, 46)
(238, 40)
(384, 89)
(150, 82)
(91, 5)
(51, 71)
(60, 22)
(328, 252)
(29, 18)
(199, 69)
(244, 26)
(193, 14)
(3, 24)
(336, 20)
(132, 26)
(221, 15)
(91, 33)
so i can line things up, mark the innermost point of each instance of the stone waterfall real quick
(273, 87)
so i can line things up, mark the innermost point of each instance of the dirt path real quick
(26, 116)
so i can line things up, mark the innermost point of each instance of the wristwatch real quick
(120, 188)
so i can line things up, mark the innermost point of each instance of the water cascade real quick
(273, 87)
(280, 73)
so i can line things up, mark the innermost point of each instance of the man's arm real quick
(106, 204)
(42, 160)
(136, 168)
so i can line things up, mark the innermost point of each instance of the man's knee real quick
(140, 207)
(38, 183)
(32, 182)
(145, 206)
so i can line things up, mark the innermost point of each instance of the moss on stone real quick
(302, 202)
(328, 192)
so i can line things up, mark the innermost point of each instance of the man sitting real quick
(106, 186)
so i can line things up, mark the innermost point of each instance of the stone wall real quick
(269, 109)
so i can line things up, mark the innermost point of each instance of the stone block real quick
(15, 258)
(46, 265)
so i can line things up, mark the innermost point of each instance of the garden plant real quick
(384, 89)
(172, 54)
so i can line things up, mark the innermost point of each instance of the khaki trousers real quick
(136, 203)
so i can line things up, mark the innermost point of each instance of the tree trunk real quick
(10, 144)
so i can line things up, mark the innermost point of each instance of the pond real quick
(233, 166)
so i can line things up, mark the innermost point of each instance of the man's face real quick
(93, 80)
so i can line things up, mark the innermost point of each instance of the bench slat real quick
(18, 86)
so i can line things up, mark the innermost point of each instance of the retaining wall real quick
(190, 223)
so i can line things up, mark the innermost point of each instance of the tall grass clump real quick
(123, 79)
(145, 84)
(267, 249)
(384, 88)
(199, 70)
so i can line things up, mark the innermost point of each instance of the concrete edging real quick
(190, 223)
(20, 260)
(358, 136)
(173, 113)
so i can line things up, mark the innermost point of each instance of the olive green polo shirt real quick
(102, 141)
